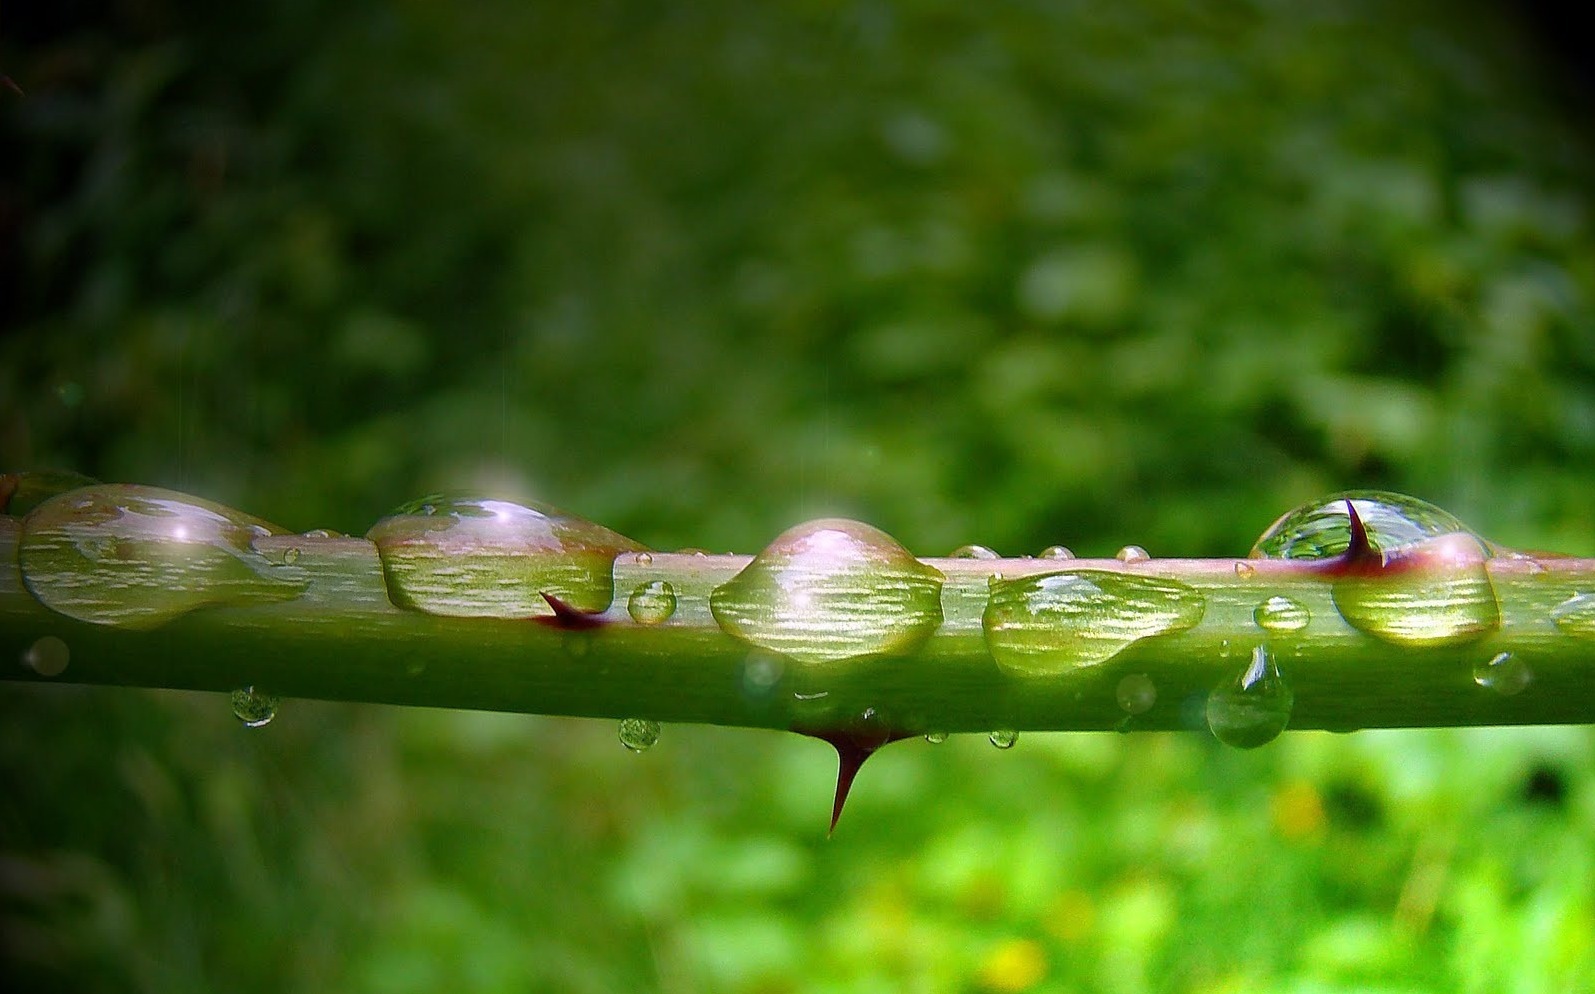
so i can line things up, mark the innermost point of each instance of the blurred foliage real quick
(1018, 274)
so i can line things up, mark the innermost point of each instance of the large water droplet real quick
(1281, 614)
(1136, 693)
(1134, 554)
(652, 603)
(973, 552)
(1004, 738)
(829, 590)
(1050, 623)
(1253, 709)
(48, 656)
(639, 734)
(1576, 616)
(1056, 552)
(1432, 593)
(137, 556)
(253, 707)
(1503, 673)
(22, 492)
(480, 557)
(1321, 529)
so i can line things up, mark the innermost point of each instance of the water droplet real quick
(253, 707)
(1432, 593)
(1134, 554)
(1576, 616)
(1252, 710)
(1281, 614)
(1244, 569)
(652, 603)
(830, 590)
(692, 550)
(1050, 623)
(639, 734)
(1136, 693)
(324, 533)
(479, 557)
(935, 738)
(1004, 738)
(761, 674)
(1503, 673)
(47, 657)
(1056, 552)
(1321, 529)
(973, 552)
(22, 492)
(137, 557)
(290, 555)
(643, 559)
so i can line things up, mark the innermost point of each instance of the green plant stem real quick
(343, 639)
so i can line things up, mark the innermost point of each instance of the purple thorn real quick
(568, 618)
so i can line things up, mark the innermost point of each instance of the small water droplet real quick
(761, 674)
(253, 707)
(1136, 693)
(652, 603)
(1253, 709)
(1134, 554)
(1281, 614)
(638, 734)
(1050, 623)
(47, 656)
(973, 552)
(1503, 673)
(290, 555)
(324, 533)
(935, 738)
(643, 559)
(1244, 568)
(831, 590)
(1004, 738)
(1056, 552)
(136, 557)
(480, 557)
(1576, 616)
(692, 550)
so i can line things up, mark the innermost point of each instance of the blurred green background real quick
(1015, 274)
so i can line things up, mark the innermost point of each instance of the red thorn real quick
(569, 618)
(853, 747)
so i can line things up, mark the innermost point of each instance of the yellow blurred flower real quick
(1298, 810)
(1013, 966)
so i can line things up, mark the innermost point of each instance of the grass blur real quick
(1014, 274)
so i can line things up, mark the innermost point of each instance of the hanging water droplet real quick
(973, 552)
(253, 707)
(1503, 673)
(1432, 593)
(137, 557)
(652, 603)
(1134, 554)
(1321, 529)
(1253, 709)
(1136, 693)
(47, 656)
(1281, 614)
(1051, 623)
(638, 734)
(831, 590)
(1576, 616)
(935, 738)
(1004, 738)
(1056, 552)
(479, 557)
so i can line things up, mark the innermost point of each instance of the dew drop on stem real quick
(639, 734)
(1503, 673)
(47, 656)
(253, 706)
(1004, 738)
(1254, 708)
